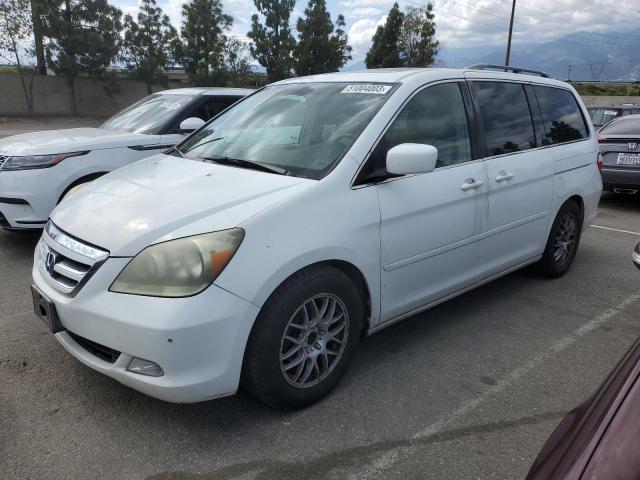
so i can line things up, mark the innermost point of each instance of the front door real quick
(429, 222)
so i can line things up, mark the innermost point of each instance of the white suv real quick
(318, 210)
(37, 170)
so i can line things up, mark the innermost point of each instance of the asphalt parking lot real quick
(468, 390)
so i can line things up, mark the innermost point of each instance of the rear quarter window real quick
(563, 120)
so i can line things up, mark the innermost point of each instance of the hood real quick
(164, 197)
(70, 140)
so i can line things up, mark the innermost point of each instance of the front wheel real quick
(304, 338)
(563, 241)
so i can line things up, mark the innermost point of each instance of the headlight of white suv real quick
(29, 162)
(179, 268)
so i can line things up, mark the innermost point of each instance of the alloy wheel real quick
(565, 240)
(314, 340)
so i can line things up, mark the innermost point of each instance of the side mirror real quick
(190, 124)
(408, 158)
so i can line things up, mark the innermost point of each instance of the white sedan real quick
(38, 169)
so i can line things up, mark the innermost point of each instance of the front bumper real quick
(198, 341)
(27, 197)
(623, 178)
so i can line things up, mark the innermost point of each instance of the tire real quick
(563, 241)
(289, 338)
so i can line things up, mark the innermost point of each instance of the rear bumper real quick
(620, 178)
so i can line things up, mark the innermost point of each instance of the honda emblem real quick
(50, 262)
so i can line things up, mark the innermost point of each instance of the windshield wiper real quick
(173, 150)
(238, 162)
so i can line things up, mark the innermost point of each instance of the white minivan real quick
(315, 211)
(38, 169)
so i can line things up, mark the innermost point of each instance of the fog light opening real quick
(145, 367)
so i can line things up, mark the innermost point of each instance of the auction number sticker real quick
(370, 88)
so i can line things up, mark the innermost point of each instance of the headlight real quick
(179, 268)
(29, 162)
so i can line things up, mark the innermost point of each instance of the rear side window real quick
(563, 121)
(506, 117)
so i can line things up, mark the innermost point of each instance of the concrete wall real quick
(604, 101)
(52, 96)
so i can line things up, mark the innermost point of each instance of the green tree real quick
(204, 44)
(236, 62)
(149, 44)
(15, 37)
(385, 47)
(83, 37)
(38, 40)
(418, 45)
(273, 43)
(321, 48)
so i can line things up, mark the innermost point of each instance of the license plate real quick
(630, 159)
(45, 310)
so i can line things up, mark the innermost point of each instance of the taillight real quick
(600, 162)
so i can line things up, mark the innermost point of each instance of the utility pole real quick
(513, 12)
(569, 73)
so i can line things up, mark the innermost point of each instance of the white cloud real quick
(360, 34)
(459, 23)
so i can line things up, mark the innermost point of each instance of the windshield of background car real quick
(303, 128)
(600, 116)
(149, 114)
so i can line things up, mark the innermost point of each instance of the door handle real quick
(503, 175)
(470, 184)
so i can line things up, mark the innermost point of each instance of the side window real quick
(213, 106)
(506, 117)
(435, 116)
(563, 120)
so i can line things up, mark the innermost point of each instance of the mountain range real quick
(581, 55)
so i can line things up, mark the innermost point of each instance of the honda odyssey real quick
(260, 250)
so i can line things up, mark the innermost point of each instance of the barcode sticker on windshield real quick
(369, 88)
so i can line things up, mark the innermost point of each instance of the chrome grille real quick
(65, 262)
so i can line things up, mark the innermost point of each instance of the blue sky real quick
(460, 23)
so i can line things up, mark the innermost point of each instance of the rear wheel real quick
(563, 241)
(304, 338)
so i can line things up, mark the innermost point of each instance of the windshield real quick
(600, 116)
(149, 114)
(300, 128)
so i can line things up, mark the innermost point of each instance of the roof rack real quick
(487, 66)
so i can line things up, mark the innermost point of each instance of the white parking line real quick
(616, 230)
(391, 457)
